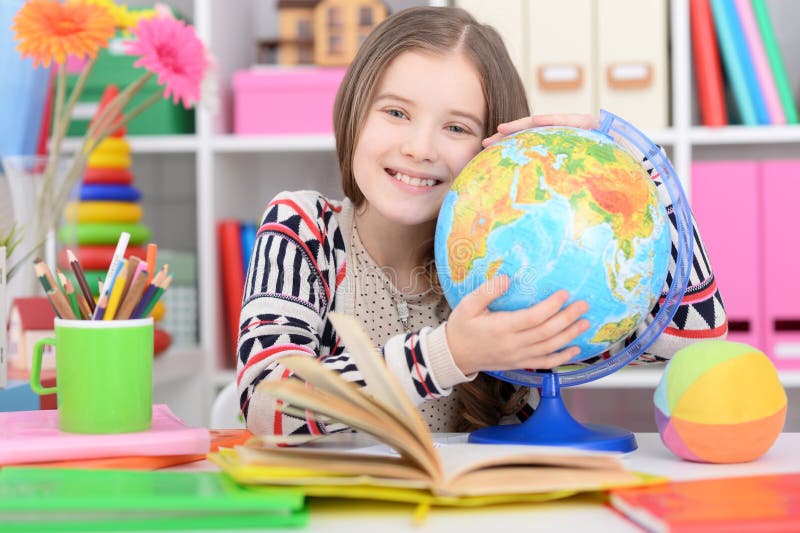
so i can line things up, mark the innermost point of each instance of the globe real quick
(558, 208)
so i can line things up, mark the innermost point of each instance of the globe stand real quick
(551, 424)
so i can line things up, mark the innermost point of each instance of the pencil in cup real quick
(105, 292)
(114, 267)
(115, 293)
(80, 277)
(58, 301)
(152, 295)
(134, 294)
(69, 290)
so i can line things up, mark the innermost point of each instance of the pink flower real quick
(171, 50)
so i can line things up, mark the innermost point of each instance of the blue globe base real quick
(552, 425)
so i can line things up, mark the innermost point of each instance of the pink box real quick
(781, 189)
(285, 100)
(725, 201)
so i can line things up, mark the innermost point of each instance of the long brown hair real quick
(433, 29)
(438, 30)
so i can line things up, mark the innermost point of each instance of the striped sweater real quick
(299, 273)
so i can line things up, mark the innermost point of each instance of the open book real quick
(381, 409)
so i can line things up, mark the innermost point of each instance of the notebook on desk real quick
(34, 437)
(44, 499)
(762, 503)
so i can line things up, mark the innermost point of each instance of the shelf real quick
(176, 365)
(273, 143)
(148, 144)
(744, 135)
(648, 378)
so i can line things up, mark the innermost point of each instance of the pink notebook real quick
(33, 436)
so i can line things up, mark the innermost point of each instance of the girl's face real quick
(424, 124)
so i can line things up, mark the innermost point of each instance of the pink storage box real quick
(725, 201)
(781, 189)
(278, 100)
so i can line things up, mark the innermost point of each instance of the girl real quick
(426, 88)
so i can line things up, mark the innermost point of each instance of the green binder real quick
(775, 60)
(44, 499)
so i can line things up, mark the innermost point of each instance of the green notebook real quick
(45, 499)
(775, 60)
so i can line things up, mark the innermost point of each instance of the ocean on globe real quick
(558, 208)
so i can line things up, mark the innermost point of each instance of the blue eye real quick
(457, 129)
(395, 113)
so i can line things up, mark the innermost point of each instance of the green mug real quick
(104, 374)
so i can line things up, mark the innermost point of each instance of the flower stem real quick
(115, 107)
(77, 90)
(136, 111)
(101, 128)
(59, 124)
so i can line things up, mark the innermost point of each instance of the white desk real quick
(579, 513)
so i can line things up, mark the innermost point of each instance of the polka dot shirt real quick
(376, 306)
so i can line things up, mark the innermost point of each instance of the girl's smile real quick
(423, 125)
(413, 181)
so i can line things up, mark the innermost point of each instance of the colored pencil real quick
(81, 278)
(46, 271)
(131, 299)
(116, 293)
(152, 252)
(108, 285)
(154, 300)
(119, 253)
(70, 292)
(148, 294)
(100, 310)
(37, 268)
(59, 301)
(133, 263)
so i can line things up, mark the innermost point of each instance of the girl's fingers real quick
(561, 119)
(559, 340)
(553, 360)
(555, 324)
(525, 319)
(535, 121)
(489, 140)
(478, 300)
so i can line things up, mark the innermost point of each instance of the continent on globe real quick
(558, 208)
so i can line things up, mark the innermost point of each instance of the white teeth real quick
(416, 182)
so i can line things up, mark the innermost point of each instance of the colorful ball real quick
(719, 402)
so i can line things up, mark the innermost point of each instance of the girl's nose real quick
(420, 145)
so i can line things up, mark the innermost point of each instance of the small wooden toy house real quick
(29, 320)
(324, 32)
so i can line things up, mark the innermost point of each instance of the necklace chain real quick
(400, 304)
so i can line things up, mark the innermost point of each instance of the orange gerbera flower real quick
(48, 30)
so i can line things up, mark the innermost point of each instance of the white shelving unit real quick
(235, 176)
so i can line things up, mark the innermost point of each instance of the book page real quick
(380, 381)
(521, 479)
(312, 462)
(387, 429)
(310, 371)
(474, 469)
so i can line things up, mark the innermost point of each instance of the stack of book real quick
(111, 483)
(739, 36)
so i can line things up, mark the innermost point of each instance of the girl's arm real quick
(296, 268)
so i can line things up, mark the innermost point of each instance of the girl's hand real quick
(586, 122)
(535, 337)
